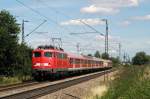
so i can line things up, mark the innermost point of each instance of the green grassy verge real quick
(13, 80)
(132, 82)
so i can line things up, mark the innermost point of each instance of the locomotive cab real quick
(48, 62)
(42, 59)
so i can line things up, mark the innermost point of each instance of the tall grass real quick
(13, 80)
(132, 82)
(9, 80)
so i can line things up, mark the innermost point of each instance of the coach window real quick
(96, 62)
(76, 62)
(86, 61)
(48, 54)
(64, 56)
(37, 54)
(60, 56)
(55, 55)
(71, 61)
(79, 61)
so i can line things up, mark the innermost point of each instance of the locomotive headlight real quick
(41, 64)
(45, 64)
(37, 64)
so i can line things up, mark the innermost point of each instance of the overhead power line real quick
(36, 28)
(74, 33)
(89, 26)
(37, 12)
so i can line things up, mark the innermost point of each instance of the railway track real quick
(51, 87)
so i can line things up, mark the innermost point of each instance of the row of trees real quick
(141, 58)
(98, 55)
(15, 58)
(115, 60)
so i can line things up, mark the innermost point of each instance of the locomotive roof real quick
(51, 50)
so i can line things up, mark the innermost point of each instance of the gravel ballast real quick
(79, 91)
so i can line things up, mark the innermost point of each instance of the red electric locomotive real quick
(48, 62)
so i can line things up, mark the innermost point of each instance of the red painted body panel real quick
(53, 62)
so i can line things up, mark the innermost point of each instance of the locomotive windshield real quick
(48, 54)
(37, 54)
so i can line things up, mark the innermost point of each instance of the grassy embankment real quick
(13, 80)
(132, 82)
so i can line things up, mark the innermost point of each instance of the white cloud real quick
(111, 38)
(99, 37)
(89, 21)
(108, 6)
(143, 18)
(112, 51)
(95, 9)
(136, 18)
(148, 42)
(125, 23)
(23, 9)
(115, 3)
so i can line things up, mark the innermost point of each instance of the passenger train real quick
(51, 61)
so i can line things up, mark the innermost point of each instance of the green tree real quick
(148, 56)
(140, 58)
(24, 60)
(89, 55)
(9, 31)
(105, 56)
(97, 54)
(15, 58)
(115, 61)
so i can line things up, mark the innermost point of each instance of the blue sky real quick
(129, 22)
